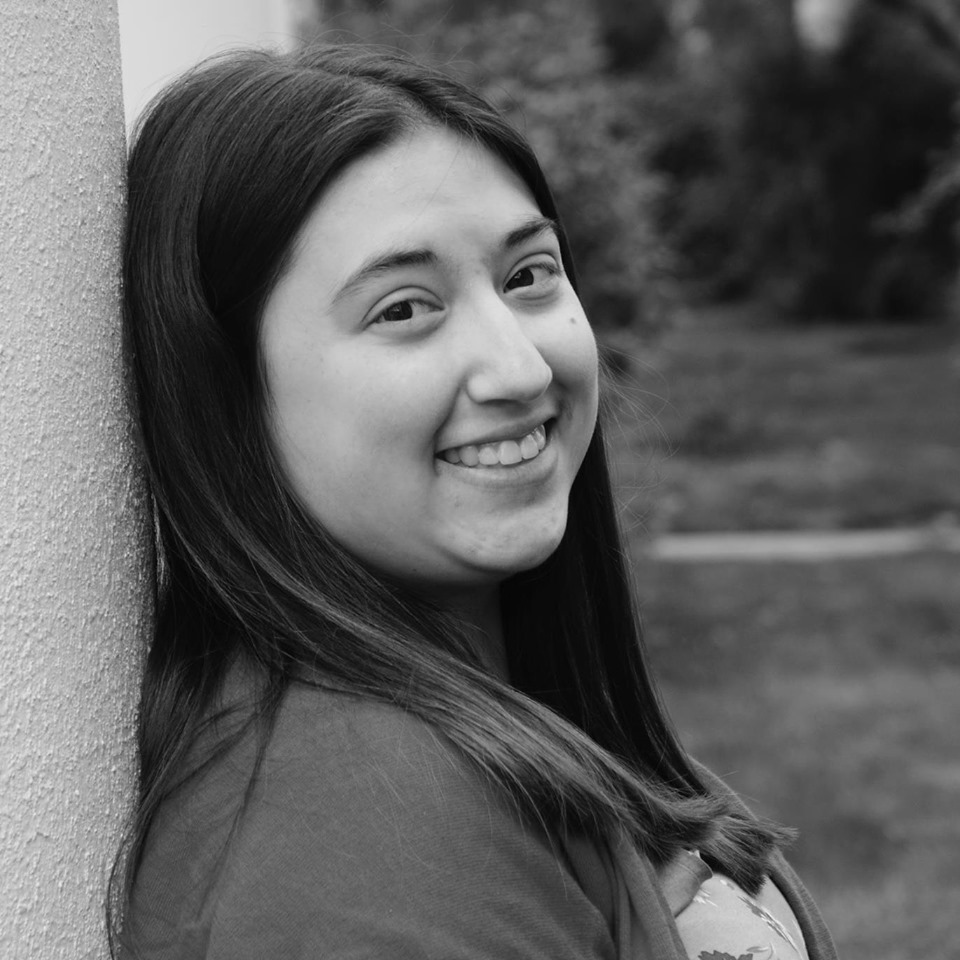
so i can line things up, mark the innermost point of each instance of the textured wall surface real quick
(72, 544)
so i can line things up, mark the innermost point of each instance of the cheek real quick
(574, 360)
(357, 427)
(396, 406)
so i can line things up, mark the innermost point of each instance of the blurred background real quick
(763, 198)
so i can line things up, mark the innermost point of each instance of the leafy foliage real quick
(788, 169)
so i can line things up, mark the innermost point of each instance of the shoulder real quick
(366, 834)
(818, 940)
(357, 757)
(372, 791)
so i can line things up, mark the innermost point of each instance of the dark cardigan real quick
(366, 835)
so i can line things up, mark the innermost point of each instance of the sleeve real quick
(367, 836)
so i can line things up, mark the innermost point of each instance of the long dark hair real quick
(225, 169)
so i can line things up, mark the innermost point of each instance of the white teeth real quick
(528, 447)
(503, 453)
(510, 452)
(489, 455)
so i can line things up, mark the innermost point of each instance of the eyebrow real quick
(396, 259)
(532, 228)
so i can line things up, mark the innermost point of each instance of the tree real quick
(788, 166)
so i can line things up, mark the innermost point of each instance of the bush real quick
(788, 172)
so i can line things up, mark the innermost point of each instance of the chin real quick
(531, 555)
(496, 551)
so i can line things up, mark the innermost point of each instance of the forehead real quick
(430, 187)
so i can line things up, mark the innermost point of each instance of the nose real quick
(506, 362)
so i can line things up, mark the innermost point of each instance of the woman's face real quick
(432, 378)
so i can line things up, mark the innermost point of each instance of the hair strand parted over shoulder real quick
(226, 166)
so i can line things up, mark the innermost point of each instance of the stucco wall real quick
(72, 543)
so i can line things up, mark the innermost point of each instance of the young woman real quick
(396, 704)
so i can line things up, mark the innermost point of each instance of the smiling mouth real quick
(501, 453)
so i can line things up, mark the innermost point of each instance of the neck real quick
(481, 612)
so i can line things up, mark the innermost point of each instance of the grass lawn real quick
(827, 693)
(731, 423)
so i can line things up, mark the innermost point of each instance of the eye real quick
(535, 279)
(403, 310)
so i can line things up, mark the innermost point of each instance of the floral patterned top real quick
(723, 922)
